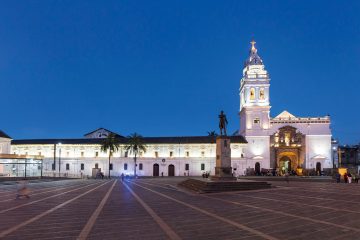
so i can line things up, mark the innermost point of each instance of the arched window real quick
(252, 93)
(262, 94)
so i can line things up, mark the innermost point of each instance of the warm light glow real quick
(342, 171)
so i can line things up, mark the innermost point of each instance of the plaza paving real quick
(158, 209)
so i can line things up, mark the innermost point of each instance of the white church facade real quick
(285, 143)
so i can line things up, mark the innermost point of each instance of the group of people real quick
(348, 178)
(205, 174)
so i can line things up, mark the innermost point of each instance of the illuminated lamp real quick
(342, 171)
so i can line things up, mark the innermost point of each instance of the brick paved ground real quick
(158, 209)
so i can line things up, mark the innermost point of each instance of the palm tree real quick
(212, 134)
(110, 144)
(135, 146)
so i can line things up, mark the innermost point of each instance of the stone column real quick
(223, 169)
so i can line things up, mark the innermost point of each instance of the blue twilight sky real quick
(167, 68)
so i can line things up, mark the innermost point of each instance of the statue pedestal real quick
(223, 169)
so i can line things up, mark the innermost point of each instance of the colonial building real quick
(285, 142)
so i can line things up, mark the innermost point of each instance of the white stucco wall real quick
(318, 149)
(5, 145)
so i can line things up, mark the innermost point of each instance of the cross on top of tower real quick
(253, 44)
(254, 58)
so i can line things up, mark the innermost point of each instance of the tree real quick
(110, 144)
(134, 146)
(212, 134)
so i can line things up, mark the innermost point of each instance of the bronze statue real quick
(222, 123)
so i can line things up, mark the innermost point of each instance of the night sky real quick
(167, 68)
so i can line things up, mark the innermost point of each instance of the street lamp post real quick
(59, 159)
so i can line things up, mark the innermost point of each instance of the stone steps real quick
(208, 186)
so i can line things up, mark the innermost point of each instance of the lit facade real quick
(285, 142)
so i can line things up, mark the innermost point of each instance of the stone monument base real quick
(210, 186)
(223, 174)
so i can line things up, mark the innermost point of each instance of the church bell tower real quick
(254, 96)
(255, 109)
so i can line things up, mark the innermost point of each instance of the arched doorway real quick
(285, 164)
(318, 168)
(257, 168)
(156, 170)
(171, 170)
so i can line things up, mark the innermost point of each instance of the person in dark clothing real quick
(338, 177)
(345, 178)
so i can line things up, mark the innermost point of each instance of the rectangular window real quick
(202, 166)
(67, 166)
(171, 154)
(125, 166)
(82, 166)
(257, 121)
(126, 154)
(202, 154)
(140, 166)
(156, 154)
(187, 154)
(111, 166)
(96, 154)
(82, 154)
(187, 167)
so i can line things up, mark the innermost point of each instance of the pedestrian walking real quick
(338, 177)
(349, 177)
(22, 190)
(345, 177)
